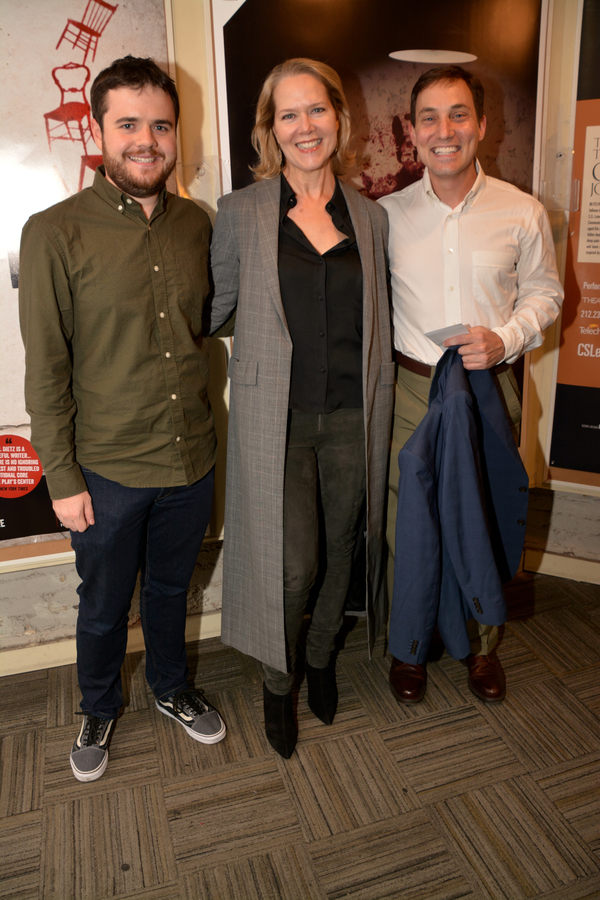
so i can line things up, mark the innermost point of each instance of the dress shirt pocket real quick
(495, 278)
(241, 372)
(388, 373)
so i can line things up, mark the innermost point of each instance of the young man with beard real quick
(112, 285)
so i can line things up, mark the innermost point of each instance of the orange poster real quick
(579, 360)
(575, 450)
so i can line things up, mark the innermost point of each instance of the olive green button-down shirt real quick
(116, 364)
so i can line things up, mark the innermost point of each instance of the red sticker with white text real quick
(20, 467)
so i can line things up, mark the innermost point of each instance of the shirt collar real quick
(472, 196)
(478, 186)
(120, 201)
(287, 198)
(287, 194)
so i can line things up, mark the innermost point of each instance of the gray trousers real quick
(325, 466)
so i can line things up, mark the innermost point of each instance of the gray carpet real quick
(447, 799)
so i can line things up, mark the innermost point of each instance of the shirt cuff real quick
(65, 484)
(513, 343)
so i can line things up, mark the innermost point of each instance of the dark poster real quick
(25, 506)
(357, 38)
(575, 449)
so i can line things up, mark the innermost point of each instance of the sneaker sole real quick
(202, 738)
(90, 776)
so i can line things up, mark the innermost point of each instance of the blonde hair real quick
(263, 139)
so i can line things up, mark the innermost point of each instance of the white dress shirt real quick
(489, 261)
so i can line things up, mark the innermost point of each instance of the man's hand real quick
(480, 348)
(75, 512)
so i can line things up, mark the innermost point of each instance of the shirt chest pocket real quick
(495, 278)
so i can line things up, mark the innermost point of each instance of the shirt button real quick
(520, 521)
(167, 354)
(162, 315)
(322, 369)
(450, 250)
(120, 207)
(321, 334)
(178, 438)
(156, 268)
(129, 200)
(451, 287)
(173, 396)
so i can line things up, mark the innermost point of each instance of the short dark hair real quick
(132, 72)
(448, 73)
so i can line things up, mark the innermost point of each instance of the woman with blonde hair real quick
(301, 256)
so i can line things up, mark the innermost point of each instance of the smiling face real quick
(138, 140)
(446, 135)
(305, 124)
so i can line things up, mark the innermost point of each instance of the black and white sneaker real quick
(201, 720)
(89, 754)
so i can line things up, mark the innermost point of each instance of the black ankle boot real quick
(280, 725)
(322, 692)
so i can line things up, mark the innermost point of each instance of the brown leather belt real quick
(407, 362)
(419, 368)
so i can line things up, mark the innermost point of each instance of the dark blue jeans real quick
(158, 531)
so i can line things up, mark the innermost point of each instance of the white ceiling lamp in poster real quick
(434, 57)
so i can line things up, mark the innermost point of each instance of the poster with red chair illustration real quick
(84, 35)
(51, 52)
(71, 120)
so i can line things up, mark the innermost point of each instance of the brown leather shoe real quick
(486, 677)
(407, 681)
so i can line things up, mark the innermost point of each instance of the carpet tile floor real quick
(449, 799)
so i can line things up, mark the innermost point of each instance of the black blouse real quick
(322, 299)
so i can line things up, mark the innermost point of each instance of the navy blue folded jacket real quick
(462, 505)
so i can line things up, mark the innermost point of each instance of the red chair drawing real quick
(88, 162)
(71, 79)
(84, 35)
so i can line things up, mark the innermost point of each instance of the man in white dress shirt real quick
(464, 249)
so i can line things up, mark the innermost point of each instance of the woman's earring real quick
(280, 158)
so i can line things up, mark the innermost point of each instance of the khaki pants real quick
(411, 404)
